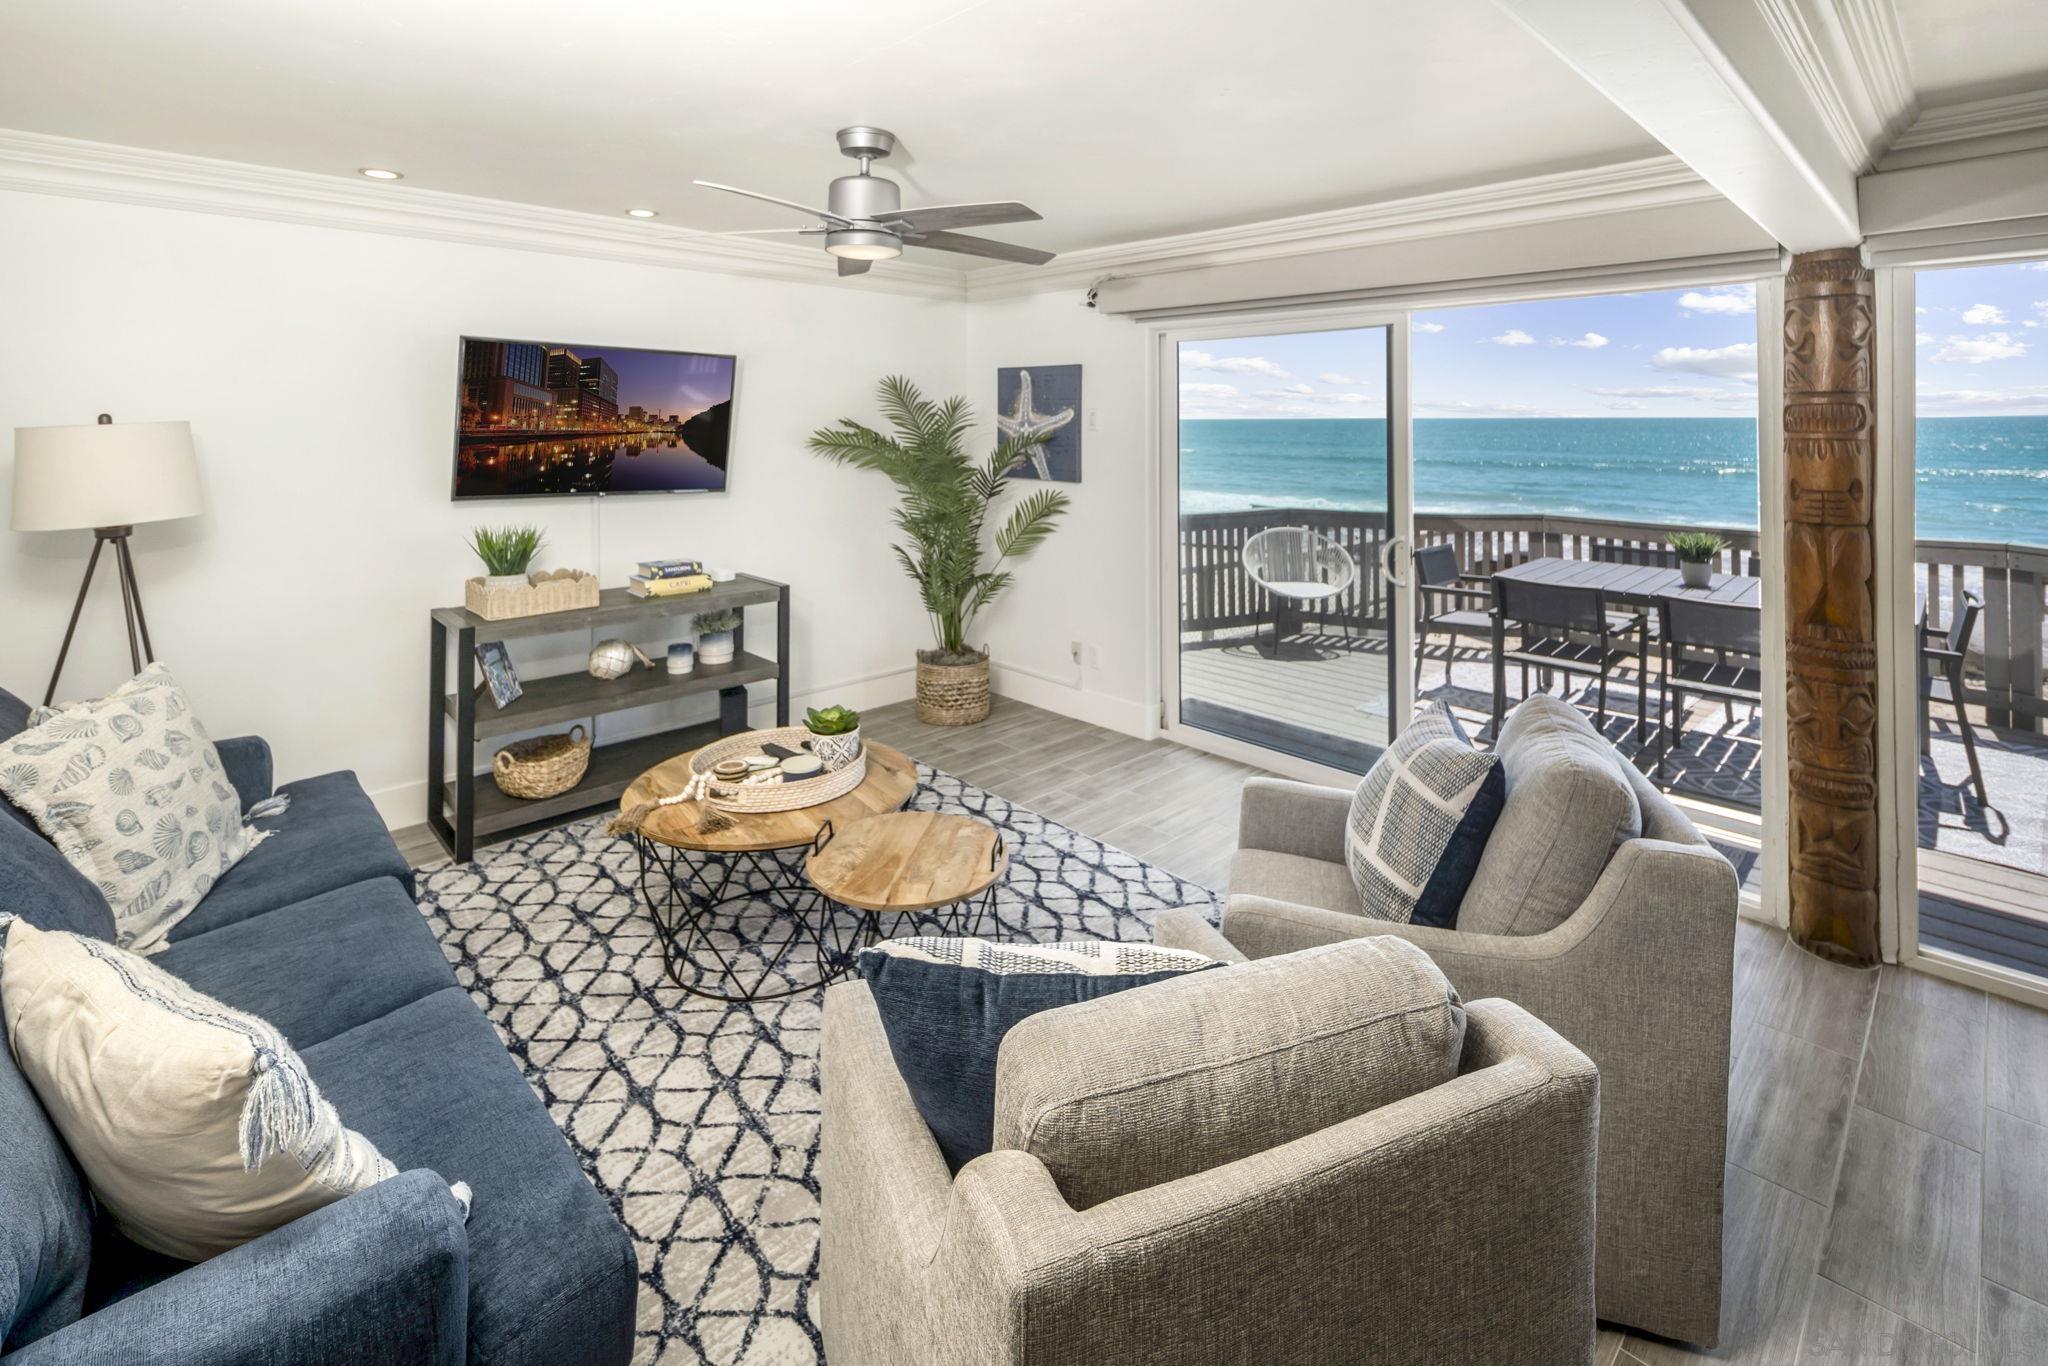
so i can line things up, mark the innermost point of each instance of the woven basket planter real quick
(952, 694)
(545, 766)
(561, 590)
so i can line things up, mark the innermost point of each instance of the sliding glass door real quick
(1287, 542)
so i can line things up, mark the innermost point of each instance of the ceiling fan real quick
(866, 222)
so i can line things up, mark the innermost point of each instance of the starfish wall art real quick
(1043, 399)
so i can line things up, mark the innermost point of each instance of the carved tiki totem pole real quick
(1830, 649)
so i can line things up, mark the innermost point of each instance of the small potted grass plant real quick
(1697, 551)
(507, 553)
(714, 635)
(835, 735)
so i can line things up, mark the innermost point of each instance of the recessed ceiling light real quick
(379, 173)
(642, 213)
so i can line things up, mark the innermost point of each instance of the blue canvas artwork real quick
(1042, 398)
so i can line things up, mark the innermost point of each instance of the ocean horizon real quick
(1979, 478)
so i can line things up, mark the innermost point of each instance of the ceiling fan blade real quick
(825, 214)
(980, 246)
(766, 232)
(849, 266)
(939, 217)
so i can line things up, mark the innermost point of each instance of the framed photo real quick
(1042, 400)
(499, 675)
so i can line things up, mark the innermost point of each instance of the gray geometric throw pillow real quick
(1419, 822)
(132, 792)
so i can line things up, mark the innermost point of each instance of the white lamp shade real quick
(103, 474)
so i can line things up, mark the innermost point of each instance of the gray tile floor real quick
(1887, 1182)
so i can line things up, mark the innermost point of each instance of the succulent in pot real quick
(507, 553)
(835, 735)
(715, 636)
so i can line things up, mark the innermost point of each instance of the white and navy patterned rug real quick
(699, 1120)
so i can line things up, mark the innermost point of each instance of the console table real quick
(459, 808)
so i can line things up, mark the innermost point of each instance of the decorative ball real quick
(615, 659)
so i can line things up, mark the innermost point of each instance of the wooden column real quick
(1830, 648)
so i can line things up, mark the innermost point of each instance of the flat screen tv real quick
(547, 419)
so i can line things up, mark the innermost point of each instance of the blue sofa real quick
(317, 932)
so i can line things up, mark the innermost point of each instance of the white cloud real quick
(1514, 336)
(1922, 338)
(1192, 390)
(1425, 327)
(1592, 341)
(1727, 302)
(2035, 265)
(1664, 391)
(1331, 377)
(1628, 405)
(1467, 408)
(1232, 365)
(1985, 346)
(1983, 315)
(1735, 361)
(1301, 388)
(1922, 308)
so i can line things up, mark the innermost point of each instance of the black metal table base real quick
(695, 898)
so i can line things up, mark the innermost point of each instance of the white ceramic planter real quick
(715, 648)
(836, 751)
(510, 581)
(1696, 573)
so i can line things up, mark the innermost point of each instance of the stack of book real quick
(668, 578)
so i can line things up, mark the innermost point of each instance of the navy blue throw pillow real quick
(946, 1004)
(1420, 819)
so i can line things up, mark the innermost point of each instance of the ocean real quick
(1980, 478)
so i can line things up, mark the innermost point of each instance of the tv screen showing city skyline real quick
(551, 419)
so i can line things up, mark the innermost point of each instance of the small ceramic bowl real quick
(802, 766)
(731, 770)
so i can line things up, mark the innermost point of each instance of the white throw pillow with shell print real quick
(132, 792)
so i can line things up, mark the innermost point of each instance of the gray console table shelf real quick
(460, 808)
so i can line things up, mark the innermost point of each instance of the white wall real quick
(1094, 580)
(317, 369)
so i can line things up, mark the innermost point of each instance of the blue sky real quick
(1674, 353)
(1982, 334)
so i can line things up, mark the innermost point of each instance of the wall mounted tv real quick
(550, 420)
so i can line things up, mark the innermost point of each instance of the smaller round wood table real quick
(911, 861)
(709, 876)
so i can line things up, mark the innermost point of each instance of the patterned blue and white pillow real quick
(947, 1003)
(1420, 820)
(132, 792)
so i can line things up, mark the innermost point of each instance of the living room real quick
(642, 658)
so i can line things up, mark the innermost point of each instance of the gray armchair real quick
(1640, 975)
(1455, 1224)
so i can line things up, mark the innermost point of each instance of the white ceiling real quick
(1116, 120)
(1967, 49)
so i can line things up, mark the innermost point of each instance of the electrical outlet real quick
(1074, 650)
(1094, 420)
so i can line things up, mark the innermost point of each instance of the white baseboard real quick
(406, 803)
(1055, 695)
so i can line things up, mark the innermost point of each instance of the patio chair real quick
(1440, 584)
(1572, 631)
(1941, 680)
(1690, 629)
(1296, 566)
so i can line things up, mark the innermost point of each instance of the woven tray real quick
(782, 796)
(562, 590)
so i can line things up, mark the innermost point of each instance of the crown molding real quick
(2009, 121)
(1878, 51)
(1802, 48)
(36, 163)
(1566, 194)
(1849, 59)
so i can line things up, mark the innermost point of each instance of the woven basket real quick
(952, 694)
(783, 796)
(545, 766)
(561, 590)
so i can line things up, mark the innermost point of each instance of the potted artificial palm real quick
(1697, 551)
(946, 496)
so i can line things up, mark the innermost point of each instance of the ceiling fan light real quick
(856, 245)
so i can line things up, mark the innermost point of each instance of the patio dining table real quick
(1638, 585)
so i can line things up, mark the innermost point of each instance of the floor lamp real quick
(107, 476)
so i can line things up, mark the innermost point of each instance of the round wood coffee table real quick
(720, 888)
(907, 862)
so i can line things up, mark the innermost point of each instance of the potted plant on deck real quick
(1697, 551)
(946, 497)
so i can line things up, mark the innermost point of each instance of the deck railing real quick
(2006, 655)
